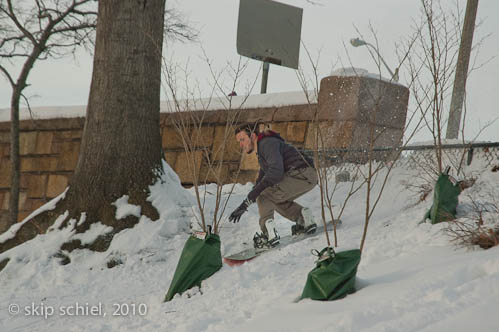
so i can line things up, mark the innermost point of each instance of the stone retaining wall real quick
(49, 148)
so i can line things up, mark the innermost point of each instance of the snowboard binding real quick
(261, 241)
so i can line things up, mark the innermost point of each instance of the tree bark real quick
(121, 143)
(15, 174)
(17, 90)
(120, 153)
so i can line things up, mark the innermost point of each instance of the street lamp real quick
(356, 42)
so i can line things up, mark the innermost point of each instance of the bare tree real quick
(310, 87)
(322, 155)
(121, 145)
(46, 29)
(377, 170)
(479, 227)
(430, 56)
(177, 28)
(51, 29)
(374, 174)
(188, 118)
(431, 66)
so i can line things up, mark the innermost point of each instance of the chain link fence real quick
(424, 156)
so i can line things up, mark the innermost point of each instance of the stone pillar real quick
(357, 110)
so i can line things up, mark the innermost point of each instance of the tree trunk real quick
(120, 151)
(15, 174)
(121, 144)
(17, 90)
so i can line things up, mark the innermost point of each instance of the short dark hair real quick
(249, 128)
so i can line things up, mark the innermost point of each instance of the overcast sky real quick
(327, 28)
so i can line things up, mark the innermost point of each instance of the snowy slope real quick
(410, 278)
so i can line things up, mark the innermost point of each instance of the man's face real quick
(246, 143)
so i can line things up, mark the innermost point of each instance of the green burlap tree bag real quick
(445, 200)
(199, 260)
(334, 275)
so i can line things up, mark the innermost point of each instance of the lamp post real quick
(356, 42)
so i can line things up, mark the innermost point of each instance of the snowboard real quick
(251, 253)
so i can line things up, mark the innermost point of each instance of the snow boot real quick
(305, 224)
(269, 240)
(297, 229)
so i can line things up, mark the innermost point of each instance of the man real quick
(284, 175)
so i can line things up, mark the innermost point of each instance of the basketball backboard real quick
(269, 31)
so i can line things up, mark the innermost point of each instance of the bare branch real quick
(7, 75)
(177, 28)
(26, 35)
(10, 13)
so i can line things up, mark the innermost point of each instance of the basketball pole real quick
(265, 76)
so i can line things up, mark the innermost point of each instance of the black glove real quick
(237, 213)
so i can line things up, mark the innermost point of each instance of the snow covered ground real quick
(411, 278)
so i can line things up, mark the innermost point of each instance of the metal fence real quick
(455, 155)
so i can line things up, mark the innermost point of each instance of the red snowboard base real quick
(242, 257)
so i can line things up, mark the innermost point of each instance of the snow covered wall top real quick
(207, 104)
